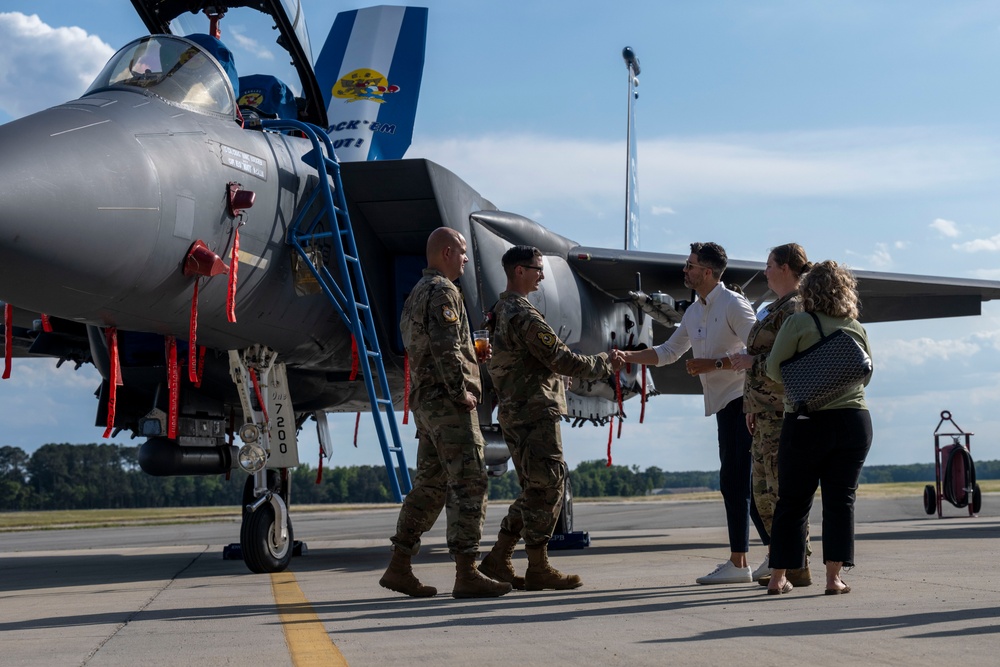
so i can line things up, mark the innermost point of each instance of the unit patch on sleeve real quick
(449, 314)
(548, 340)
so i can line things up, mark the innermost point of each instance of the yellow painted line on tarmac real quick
(308, 641)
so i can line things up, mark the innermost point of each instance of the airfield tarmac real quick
(926, 592)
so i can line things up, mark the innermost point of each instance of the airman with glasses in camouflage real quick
(528, 368)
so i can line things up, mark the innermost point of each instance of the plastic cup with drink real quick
(481, 339)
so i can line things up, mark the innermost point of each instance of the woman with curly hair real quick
(825, 447)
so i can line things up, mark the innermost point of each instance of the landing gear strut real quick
(269, 450)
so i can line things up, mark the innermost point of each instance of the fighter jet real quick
(204, 239)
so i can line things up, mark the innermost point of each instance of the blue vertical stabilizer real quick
(369, 72)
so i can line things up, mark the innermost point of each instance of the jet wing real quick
(891, 297)
(293, 37)
(885, 297)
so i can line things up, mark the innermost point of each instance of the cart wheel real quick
(977, 499)
(930, 499)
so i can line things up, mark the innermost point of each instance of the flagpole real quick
(631, 185)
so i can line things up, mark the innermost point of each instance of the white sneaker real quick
(763, 570)
(727, 573)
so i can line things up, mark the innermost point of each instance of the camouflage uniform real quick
(764, 398)
(527, 367)
(450, 463)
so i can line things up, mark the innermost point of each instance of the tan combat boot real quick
(399, 577)
(497, 564)
(469, 583)
(540, 575)
(800, 576)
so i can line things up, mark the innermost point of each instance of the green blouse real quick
(798, 333)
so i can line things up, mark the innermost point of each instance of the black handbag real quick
(817, 375)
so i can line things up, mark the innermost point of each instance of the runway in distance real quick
(227, 276)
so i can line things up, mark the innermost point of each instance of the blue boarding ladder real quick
(350, 296)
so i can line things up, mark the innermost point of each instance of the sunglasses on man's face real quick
(688, 266)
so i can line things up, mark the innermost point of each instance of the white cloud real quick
(249, 45)
(991, 244)
(41, 66)
(859, 163)
(897, 354)
(946, 227)
(662, 210)
(879, 258)
(986, 274)
(43, 375)
(918, 351)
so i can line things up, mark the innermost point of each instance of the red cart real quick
(954, 471)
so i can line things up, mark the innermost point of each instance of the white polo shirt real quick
(713, 329)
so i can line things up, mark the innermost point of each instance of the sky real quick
(864, 130)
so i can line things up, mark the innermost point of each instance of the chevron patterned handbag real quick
(817, 375)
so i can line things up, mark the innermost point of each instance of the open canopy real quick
(183, 17)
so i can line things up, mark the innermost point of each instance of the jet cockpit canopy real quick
(174, 69)
(256, 25)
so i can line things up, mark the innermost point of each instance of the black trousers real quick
(734, 476)
(826, 449)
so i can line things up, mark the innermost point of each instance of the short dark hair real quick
(518, 255)
(711, 255)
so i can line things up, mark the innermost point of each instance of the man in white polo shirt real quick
(714, 326)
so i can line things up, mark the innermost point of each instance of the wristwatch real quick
(718, 364)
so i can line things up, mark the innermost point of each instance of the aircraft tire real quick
(564, 524)
(261, 552)
(930, 499)
(977, 499)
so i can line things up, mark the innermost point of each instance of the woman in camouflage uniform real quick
(763, 398)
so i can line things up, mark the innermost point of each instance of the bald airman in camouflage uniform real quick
(527, 368)
(763, 398)
(445, 388)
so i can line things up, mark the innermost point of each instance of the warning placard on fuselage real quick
(245, 162)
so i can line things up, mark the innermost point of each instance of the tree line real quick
(107, 476)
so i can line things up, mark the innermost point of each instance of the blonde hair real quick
(830, 289)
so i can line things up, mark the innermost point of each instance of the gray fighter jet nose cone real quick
(80, 208)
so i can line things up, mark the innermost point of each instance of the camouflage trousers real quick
(451, 474)
(764, 467)
(536, 450)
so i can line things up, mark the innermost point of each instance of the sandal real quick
(786, 588)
